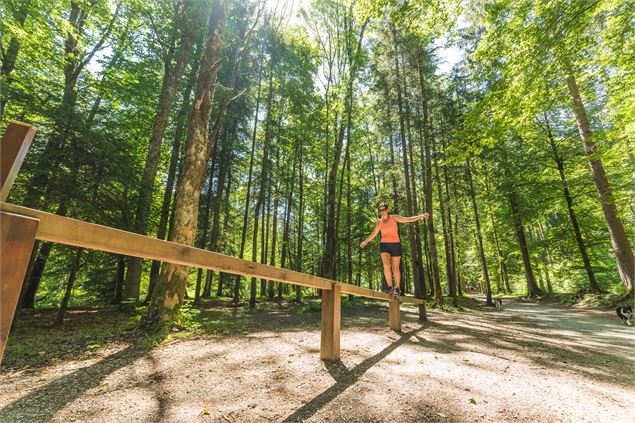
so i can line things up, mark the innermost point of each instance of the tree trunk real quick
(446, 231)
(329, 269)
(451, 259)
(574, 221)
(274, 239)
(460, 281)
(488, 286)
(69, 286)
(213, 244)
(119, 279)
(349, 246)
(250, 177)
(418, 277)
(286, 227)
(532, 288)
(172, 170)
(502, 268)
(32, 284)
(222, 276)
(287, 218)
(300, 231)
(417, 256)
(229, 86)
(329, 263)
(393, 163)
(206, 211)
(264, 169)
(432, 245)
(264, 240)
(502, 283)
(171, 286)
(538, 267)
(339, 209)
(619, 240)
(171, 80)
(371, 156)
(546, 259)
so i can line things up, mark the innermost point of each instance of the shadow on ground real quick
(594, 347)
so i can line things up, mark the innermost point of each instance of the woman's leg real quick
(395, 270)
(385, 259)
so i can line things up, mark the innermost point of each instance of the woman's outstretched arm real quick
(402, 219)
(371, 236)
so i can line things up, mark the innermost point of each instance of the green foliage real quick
(34, 341)
(311, 307)
(493, 107)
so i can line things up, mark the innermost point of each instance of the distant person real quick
(390, 245)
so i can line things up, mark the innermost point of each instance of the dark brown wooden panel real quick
(16, 242)
(15, 144)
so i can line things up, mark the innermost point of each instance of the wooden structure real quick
(21, 226)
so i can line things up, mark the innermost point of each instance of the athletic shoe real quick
(397, 292)
(390, 291)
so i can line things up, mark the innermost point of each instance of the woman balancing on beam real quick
(390, 246)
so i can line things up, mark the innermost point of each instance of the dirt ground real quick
(526, 363)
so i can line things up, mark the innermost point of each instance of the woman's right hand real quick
(362, 244)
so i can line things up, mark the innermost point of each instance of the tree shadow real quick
(344, 378)
(493, 332)
(544, 351)
(43, 403)
(569, 320)
(156, 382)
(579, 345)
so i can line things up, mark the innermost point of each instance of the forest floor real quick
(528, 362)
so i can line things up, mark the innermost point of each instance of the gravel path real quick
(525, 363)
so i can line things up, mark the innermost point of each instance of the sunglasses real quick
(383, 209)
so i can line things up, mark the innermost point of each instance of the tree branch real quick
(100, 43)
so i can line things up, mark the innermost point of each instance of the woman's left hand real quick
(424, 216)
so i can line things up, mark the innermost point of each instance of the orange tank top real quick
(388, 230)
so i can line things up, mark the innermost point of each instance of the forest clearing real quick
(529, 362)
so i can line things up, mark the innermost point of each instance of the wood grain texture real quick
(369, 293)
(330, 324)
(16, 242)
(15, 144)
(74, 232)
(394, 318)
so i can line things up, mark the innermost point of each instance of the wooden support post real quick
(394, 319)
(16, 242)
(331, 312)
(15, 144)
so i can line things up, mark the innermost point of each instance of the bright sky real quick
(449, 56)
(448, 53)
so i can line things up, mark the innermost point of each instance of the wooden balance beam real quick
(32, 224)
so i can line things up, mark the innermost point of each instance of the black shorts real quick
(393, 248)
